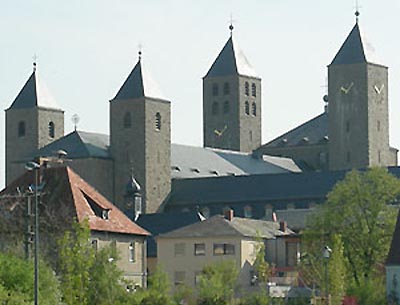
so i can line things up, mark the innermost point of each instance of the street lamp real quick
(33, 166)
(326, 254)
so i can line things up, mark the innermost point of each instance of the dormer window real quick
(105, 214)
(127, 120)
(51, 130)
(21, 129)
(158, 121)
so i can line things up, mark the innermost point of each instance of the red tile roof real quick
(66, 196)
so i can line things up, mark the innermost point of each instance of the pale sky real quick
(86, 49)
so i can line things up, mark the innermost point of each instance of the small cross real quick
(75, 120)
(34, 57)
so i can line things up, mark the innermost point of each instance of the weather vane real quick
(357, 13)
(140, 50)
(75, 119)
(34, 57)
(231, 27)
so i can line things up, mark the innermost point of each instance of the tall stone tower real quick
(140, 139)
(32, 121)
(232, 102)
(358, 107)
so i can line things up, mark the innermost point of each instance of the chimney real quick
(229, 214)
(282, 226)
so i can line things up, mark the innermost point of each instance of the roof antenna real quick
(75, 119)
(231, 25)
(34, 57)
(140, 51)
(357, 13)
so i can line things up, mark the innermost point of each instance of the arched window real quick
(226, 107)
(246, 89)
(227, 89)
(253, 109)
(158, 121)
(248, 211)
(215, 89)
(51, 130)
(246, 108)
(215, 108)
(253, 90)
(127, 120)
(21, 129)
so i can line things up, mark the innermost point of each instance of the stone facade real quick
(28, 129)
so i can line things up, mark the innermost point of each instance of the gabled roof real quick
(34, 94)
(231, 61)
(314, 131)
(355, 49)
(220, 226)
(66, 196)
(394, 252)
(139, 84)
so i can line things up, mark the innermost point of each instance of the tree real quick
(358, 209)
(158, 290)
(261, 266)
(217, 283)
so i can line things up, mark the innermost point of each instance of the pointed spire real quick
(34, 94)
(139, 84)
(355, 49)
(231, 61)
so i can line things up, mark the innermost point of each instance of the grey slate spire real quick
(139, 84)
(355, 49)
(231, 61)
(34, 94)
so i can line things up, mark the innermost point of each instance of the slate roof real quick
(34, 94)
(159, 223)
(67, 196)
(314, 131)
(231, 61)
(355, 49)
(295, 218)
(220, 226)
(394, 252)
(139, 84)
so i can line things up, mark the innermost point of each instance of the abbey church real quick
(288, 176)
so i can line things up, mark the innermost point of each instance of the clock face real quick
(219, 132)
(346, 88)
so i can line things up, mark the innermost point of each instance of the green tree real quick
(261, 266)
(358, 209)
(217, 283)
(337, 271)
(158, 290)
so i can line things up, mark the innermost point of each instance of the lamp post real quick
(326, 253)
(33, 166)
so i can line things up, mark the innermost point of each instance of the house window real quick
(158, 121)
(105, 214)
(197, 277)
(214, 108)
(224, 249)
(200, 249)
(253, 109)
(226, 107)
(253, 90)
(180, 249)
(51, 130)
(246, 89)
(127, 120)
(215, 89)
(21, 129)
(179, 277)
(246, 108)
(132, 252)
(227, 89)
(248, 211)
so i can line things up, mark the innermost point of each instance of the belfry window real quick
(227, 89)
(254, 109)
(214, 109)
(215, 89)
(226, 107)
(246, 88)
(127, 120)
(253, 90)
(246, 108)
(51, 130)
(158, 121)
(21, 129)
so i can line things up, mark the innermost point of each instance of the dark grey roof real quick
(160, 223)
(355, 49)
(295, 218)
(220, 226)
(34, 94)
(79, 144)
(231, 61)
(313, 131)
(139, 84)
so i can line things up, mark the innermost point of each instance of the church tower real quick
(232, 102)
(140, 139)
(32, 121)
(358, 107)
